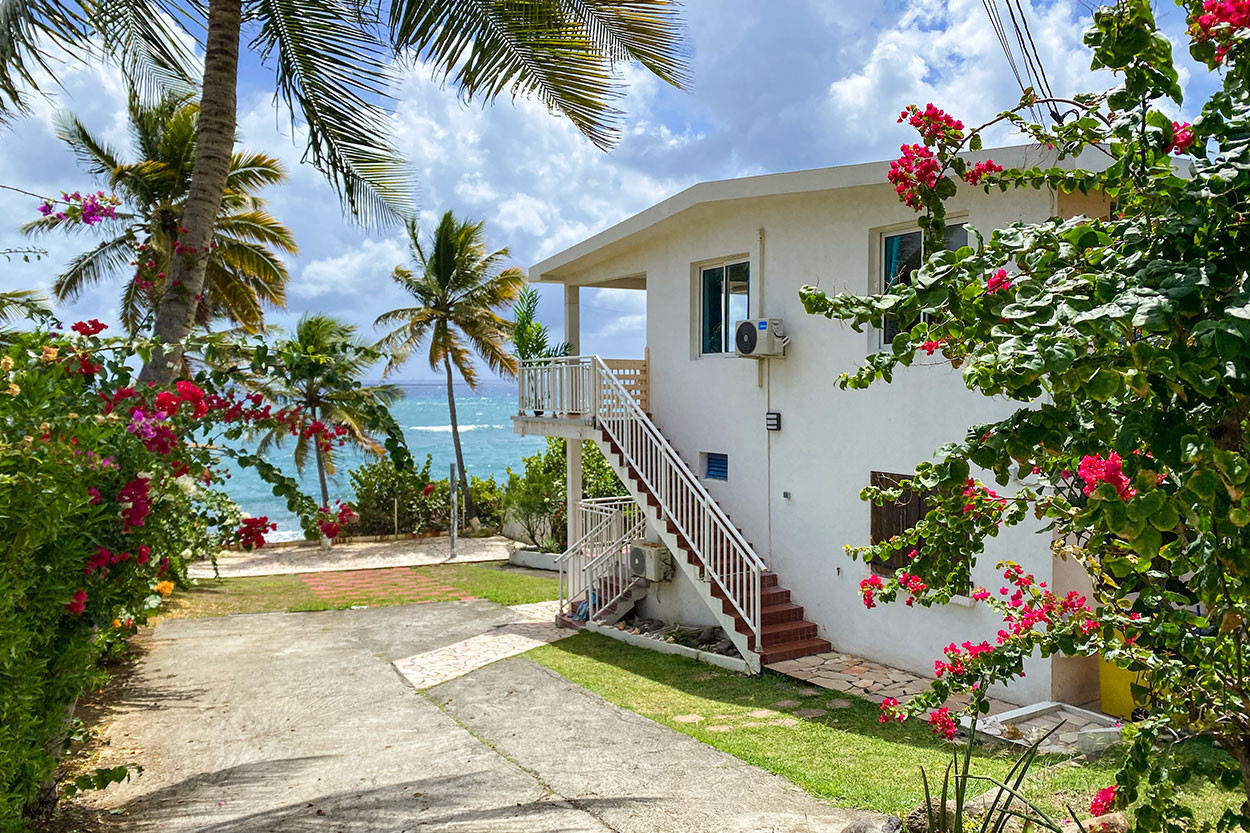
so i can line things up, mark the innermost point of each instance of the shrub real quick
(535, 499)
(1124, 341)
(383, 492)
(103, 501)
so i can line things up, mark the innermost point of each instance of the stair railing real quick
(603, 519)
(608, 575)
(585, 387)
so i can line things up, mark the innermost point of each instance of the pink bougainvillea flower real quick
(1094, 469)
(974, 175)
(1182, 137)
(1103, 802)
(78, 603)
(942, 724)
(998, 282)
(89, 328)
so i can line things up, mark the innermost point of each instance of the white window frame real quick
(876, 264)
(696, 304)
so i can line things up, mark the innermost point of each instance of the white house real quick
(756, 514)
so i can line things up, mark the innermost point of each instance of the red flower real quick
(95, 494)
(1094, 470)
(915, 168)
(989, 166)
(428, 490)
(868, 589)
(931, 346)
(998, 282)
(252, 533)
(942, 724)
(145, 553)
(79, 602)
(1182, 137)
(1103, 801)
(135, 503)
(89, 328)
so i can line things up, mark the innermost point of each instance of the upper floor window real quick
(724, 300)
(901, 256)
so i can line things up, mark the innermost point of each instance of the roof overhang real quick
(563, 266)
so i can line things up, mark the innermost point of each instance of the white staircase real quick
(741, 593)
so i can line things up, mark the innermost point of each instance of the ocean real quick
(490, 447)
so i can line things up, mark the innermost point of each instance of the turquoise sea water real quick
(490, 447)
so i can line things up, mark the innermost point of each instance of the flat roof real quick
(765, 185)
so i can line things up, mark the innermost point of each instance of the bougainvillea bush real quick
(1126, 339)
(107, 490)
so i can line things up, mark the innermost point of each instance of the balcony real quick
(558, 397)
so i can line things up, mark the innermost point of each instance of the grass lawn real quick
(844, 755)
(291, 593)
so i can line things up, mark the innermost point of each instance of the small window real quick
(901, 256)
(894, 519)
(724, 300)
(715, 466)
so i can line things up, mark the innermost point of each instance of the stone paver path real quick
(431, 668)
(873, 681)
(308, 557)
(403, 584)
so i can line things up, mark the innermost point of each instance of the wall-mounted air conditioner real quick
(650, 561)
(760, 338)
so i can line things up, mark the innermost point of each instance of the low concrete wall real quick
(731, 663)
(534, 559)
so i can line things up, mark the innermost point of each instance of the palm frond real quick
(30, 32)
(249, 172)
(563, 51)
(152, 50)
(20, 304)
(107, 260)
(257, 227)
(94, 155)
(333, 73)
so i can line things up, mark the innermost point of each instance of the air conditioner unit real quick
(760, 338)
(650, 561)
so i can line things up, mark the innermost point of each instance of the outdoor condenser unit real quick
(760, 338)
(650, 561)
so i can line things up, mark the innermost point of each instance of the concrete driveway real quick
(299, 723)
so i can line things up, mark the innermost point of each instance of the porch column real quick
(573, 486)
(573, 318)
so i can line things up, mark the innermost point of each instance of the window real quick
(901, 255)
(894, 519)
(715, 466)
(724, 300)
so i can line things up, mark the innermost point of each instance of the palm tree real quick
(321, 371)
(335, 71)
(244, 271)
(530, 338)
(457, 286)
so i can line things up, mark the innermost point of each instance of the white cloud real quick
(775, 87)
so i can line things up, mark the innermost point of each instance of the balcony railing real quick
(561, 387)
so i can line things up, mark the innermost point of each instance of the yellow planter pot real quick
(1113, 685)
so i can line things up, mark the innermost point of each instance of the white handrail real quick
(612, 562)
(585, 387)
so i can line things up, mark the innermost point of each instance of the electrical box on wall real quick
(772, 420)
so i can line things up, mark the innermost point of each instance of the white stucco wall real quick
(830, 439)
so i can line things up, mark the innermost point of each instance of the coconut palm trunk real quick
(218, 115)
(470, 511)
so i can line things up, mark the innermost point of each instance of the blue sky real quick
(779, 85)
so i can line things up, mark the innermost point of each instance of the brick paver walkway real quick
(402, 584)
(433, 667)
